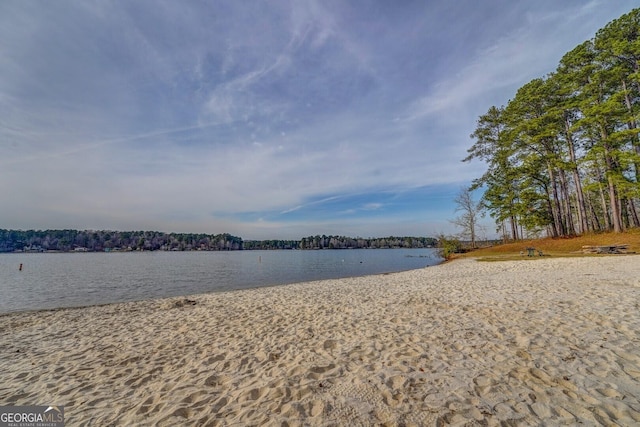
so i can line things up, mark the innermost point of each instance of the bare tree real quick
(470, 211)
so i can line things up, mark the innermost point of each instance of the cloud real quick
(496, 69)
(267, 119)
(372, 206)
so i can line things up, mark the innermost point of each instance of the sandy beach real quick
(534, 342)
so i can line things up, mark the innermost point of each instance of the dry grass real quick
(558, 247)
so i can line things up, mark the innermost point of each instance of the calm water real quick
(79, 279)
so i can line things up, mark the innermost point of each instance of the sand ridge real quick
(544, 342)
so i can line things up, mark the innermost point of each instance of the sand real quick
(534, 342)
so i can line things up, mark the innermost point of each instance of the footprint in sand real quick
(317, 372)
(216, 380)
(396, 382)
(330, 345)
(315, 408)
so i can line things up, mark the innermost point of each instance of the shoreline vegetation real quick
(124, 241)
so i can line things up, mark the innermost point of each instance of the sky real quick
(264, 119)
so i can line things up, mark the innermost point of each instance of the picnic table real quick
(532, 252)
(607, 249)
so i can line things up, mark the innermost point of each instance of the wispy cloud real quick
(372, 206)
(274, 119)
(504, 63)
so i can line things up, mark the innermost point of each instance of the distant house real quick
(81, 249)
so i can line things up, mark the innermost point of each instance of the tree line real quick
(106, 241)
(563, 156)
(99, 241)
(342, 242)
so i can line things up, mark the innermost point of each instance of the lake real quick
(55, 280)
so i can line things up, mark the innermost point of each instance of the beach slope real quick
(535, 342)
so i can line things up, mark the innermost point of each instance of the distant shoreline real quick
(201, 250)
(106, 240)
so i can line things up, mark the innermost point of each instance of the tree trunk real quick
(472, 231)
(633, 214)
(582, 210)
(503, 226)
(554, 203)
(594, 217)
(616, 216)
(514, 227)
(553, 226)
(624, 214)
(605, 209)
(566, 202)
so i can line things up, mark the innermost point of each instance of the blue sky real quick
(264, 119)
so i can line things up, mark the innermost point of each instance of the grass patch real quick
(560, 247)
